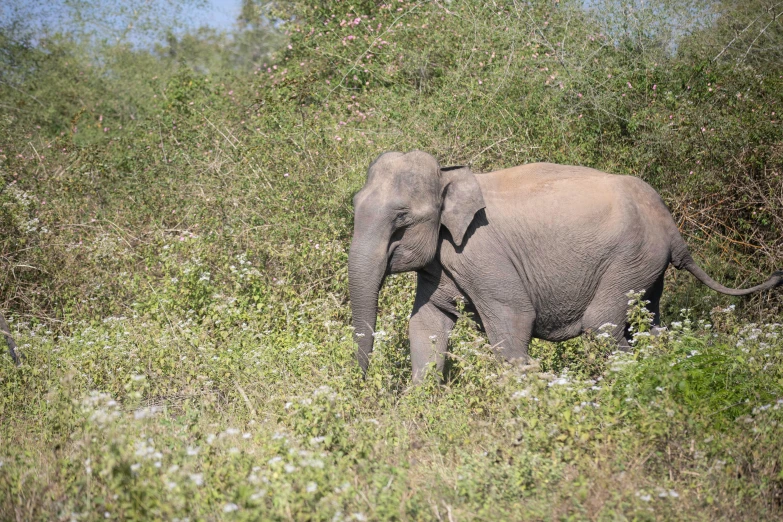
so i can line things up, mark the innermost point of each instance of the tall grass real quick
(175, 240)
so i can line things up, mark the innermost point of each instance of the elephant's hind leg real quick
(653, 294)
(607, 313)
(610, 305)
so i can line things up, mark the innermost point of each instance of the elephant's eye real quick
(401, 218)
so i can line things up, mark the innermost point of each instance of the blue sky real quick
(220, 14)
(36, 14)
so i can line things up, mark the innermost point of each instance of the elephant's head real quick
(397, 219)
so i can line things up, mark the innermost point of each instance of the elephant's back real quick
(568, 195)
(542, 178)
(557, 195)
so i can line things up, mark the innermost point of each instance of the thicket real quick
(174, 225)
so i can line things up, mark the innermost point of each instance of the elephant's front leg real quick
(429, 336)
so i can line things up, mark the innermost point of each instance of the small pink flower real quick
(655, 86)
(629, 85)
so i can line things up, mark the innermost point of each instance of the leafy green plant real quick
(175, 239)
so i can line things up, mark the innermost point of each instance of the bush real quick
(175, 237)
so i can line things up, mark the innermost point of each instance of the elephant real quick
(6, 331)
(538, 250)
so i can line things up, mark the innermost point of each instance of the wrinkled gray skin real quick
(6, 331)
(539, 250)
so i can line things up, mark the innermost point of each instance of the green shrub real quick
(175, 226)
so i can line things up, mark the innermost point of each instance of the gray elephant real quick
(539, 250)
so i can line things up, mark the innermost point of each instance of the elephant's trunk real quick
(366, 271)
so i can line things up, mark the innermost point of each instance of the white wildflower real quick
(143, 413)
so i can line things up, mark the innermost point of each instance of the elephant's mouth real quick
(391, 257)
(397, 258)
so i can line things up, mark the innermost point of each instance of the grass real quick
(135, 419)
(175, 238)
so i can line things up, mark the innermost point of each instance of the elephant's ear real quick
(461, 200)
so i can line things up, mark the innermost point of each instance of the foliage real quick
(175, 223)
(155, 419)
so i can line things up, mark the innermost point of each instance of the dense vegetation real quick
(174, 226)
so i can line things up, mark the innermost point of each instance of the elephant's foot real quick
(624, 346)
(525, 366)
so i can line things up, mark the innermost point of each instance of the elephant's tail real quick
(685, 261)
